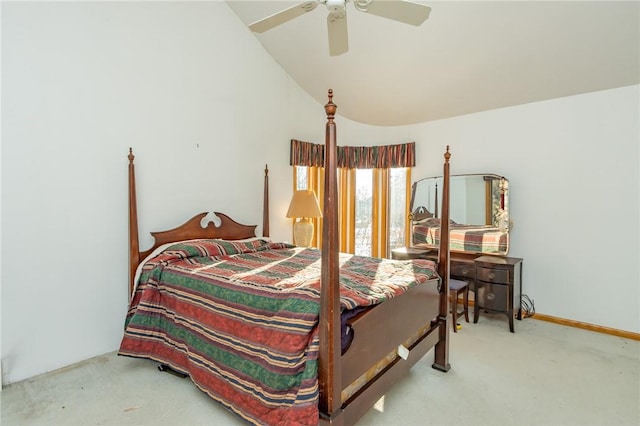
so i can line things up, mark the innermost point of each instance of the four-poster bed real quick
(280, 334)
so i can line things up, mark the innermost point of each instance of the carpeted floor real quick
(544, 374)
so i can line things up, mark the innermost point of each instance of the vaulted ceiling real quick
(467, 57)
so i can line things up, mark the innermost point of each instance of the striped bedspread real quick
(240, 318)
(478, 239)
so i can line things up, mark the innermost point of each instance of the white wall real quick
(572, 165)
(204, 108)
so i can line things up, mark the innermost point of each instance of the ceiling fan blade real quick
(402, 11)
(338, 37)
(283, 16)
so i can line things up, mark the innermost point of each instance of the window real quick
(373, 193)
(302, 181)
(364, 212)
(399, 193)
(373, 208)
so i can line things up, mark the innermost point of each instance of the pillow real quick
(171, 252)
(433, 222)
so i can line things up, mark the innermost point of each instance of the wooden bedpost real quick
(134, 246)
(435, 214)
(265, 206)
(441, 356)
(329, 365)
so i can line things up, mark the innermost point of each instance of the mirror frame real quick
(488, 238)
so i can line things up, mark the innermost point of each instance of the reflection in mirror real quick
(479, 207)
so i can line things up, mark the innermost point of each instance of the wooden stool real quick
(455, 288)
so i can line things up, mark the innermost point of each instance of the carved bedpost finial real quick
(447, 155)
(330, 107)
(131, 156)
(266, 169)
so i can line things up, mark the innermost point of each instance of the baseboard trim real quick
(586, 326)
(579, 324)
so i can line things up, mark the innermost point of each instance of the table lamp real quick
(304, 205)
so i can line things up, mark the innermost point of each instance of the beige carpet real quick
(544, 374)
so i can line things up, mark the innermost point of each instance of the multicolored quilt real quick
(473, 238)
(240, 318)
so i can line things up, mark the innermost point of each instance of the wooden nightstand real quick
(498, 287)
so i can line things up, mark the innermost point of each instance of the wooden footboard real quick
(380, 330)
(387, 341)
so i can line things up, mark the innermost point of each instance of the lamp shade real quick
(304, 204)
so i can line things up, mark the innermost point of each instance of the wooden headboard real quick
(192, 229)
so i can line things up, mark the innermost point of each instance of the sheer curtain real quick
(308, 161)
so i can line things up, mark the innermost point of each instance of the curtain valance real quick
(355, 157)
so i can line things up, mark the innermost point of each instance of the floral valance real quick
(355, 157)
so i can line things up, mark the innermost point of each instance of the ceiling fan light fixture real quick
(403, 11)
(362, 5)
(309, 6)
(335, 6)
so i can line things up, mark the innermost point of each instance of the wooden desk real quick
(496, 281)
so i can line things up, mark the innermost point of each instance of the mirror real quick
(479, 212)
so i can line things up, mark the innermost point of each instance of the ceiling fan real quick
(397, 10)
